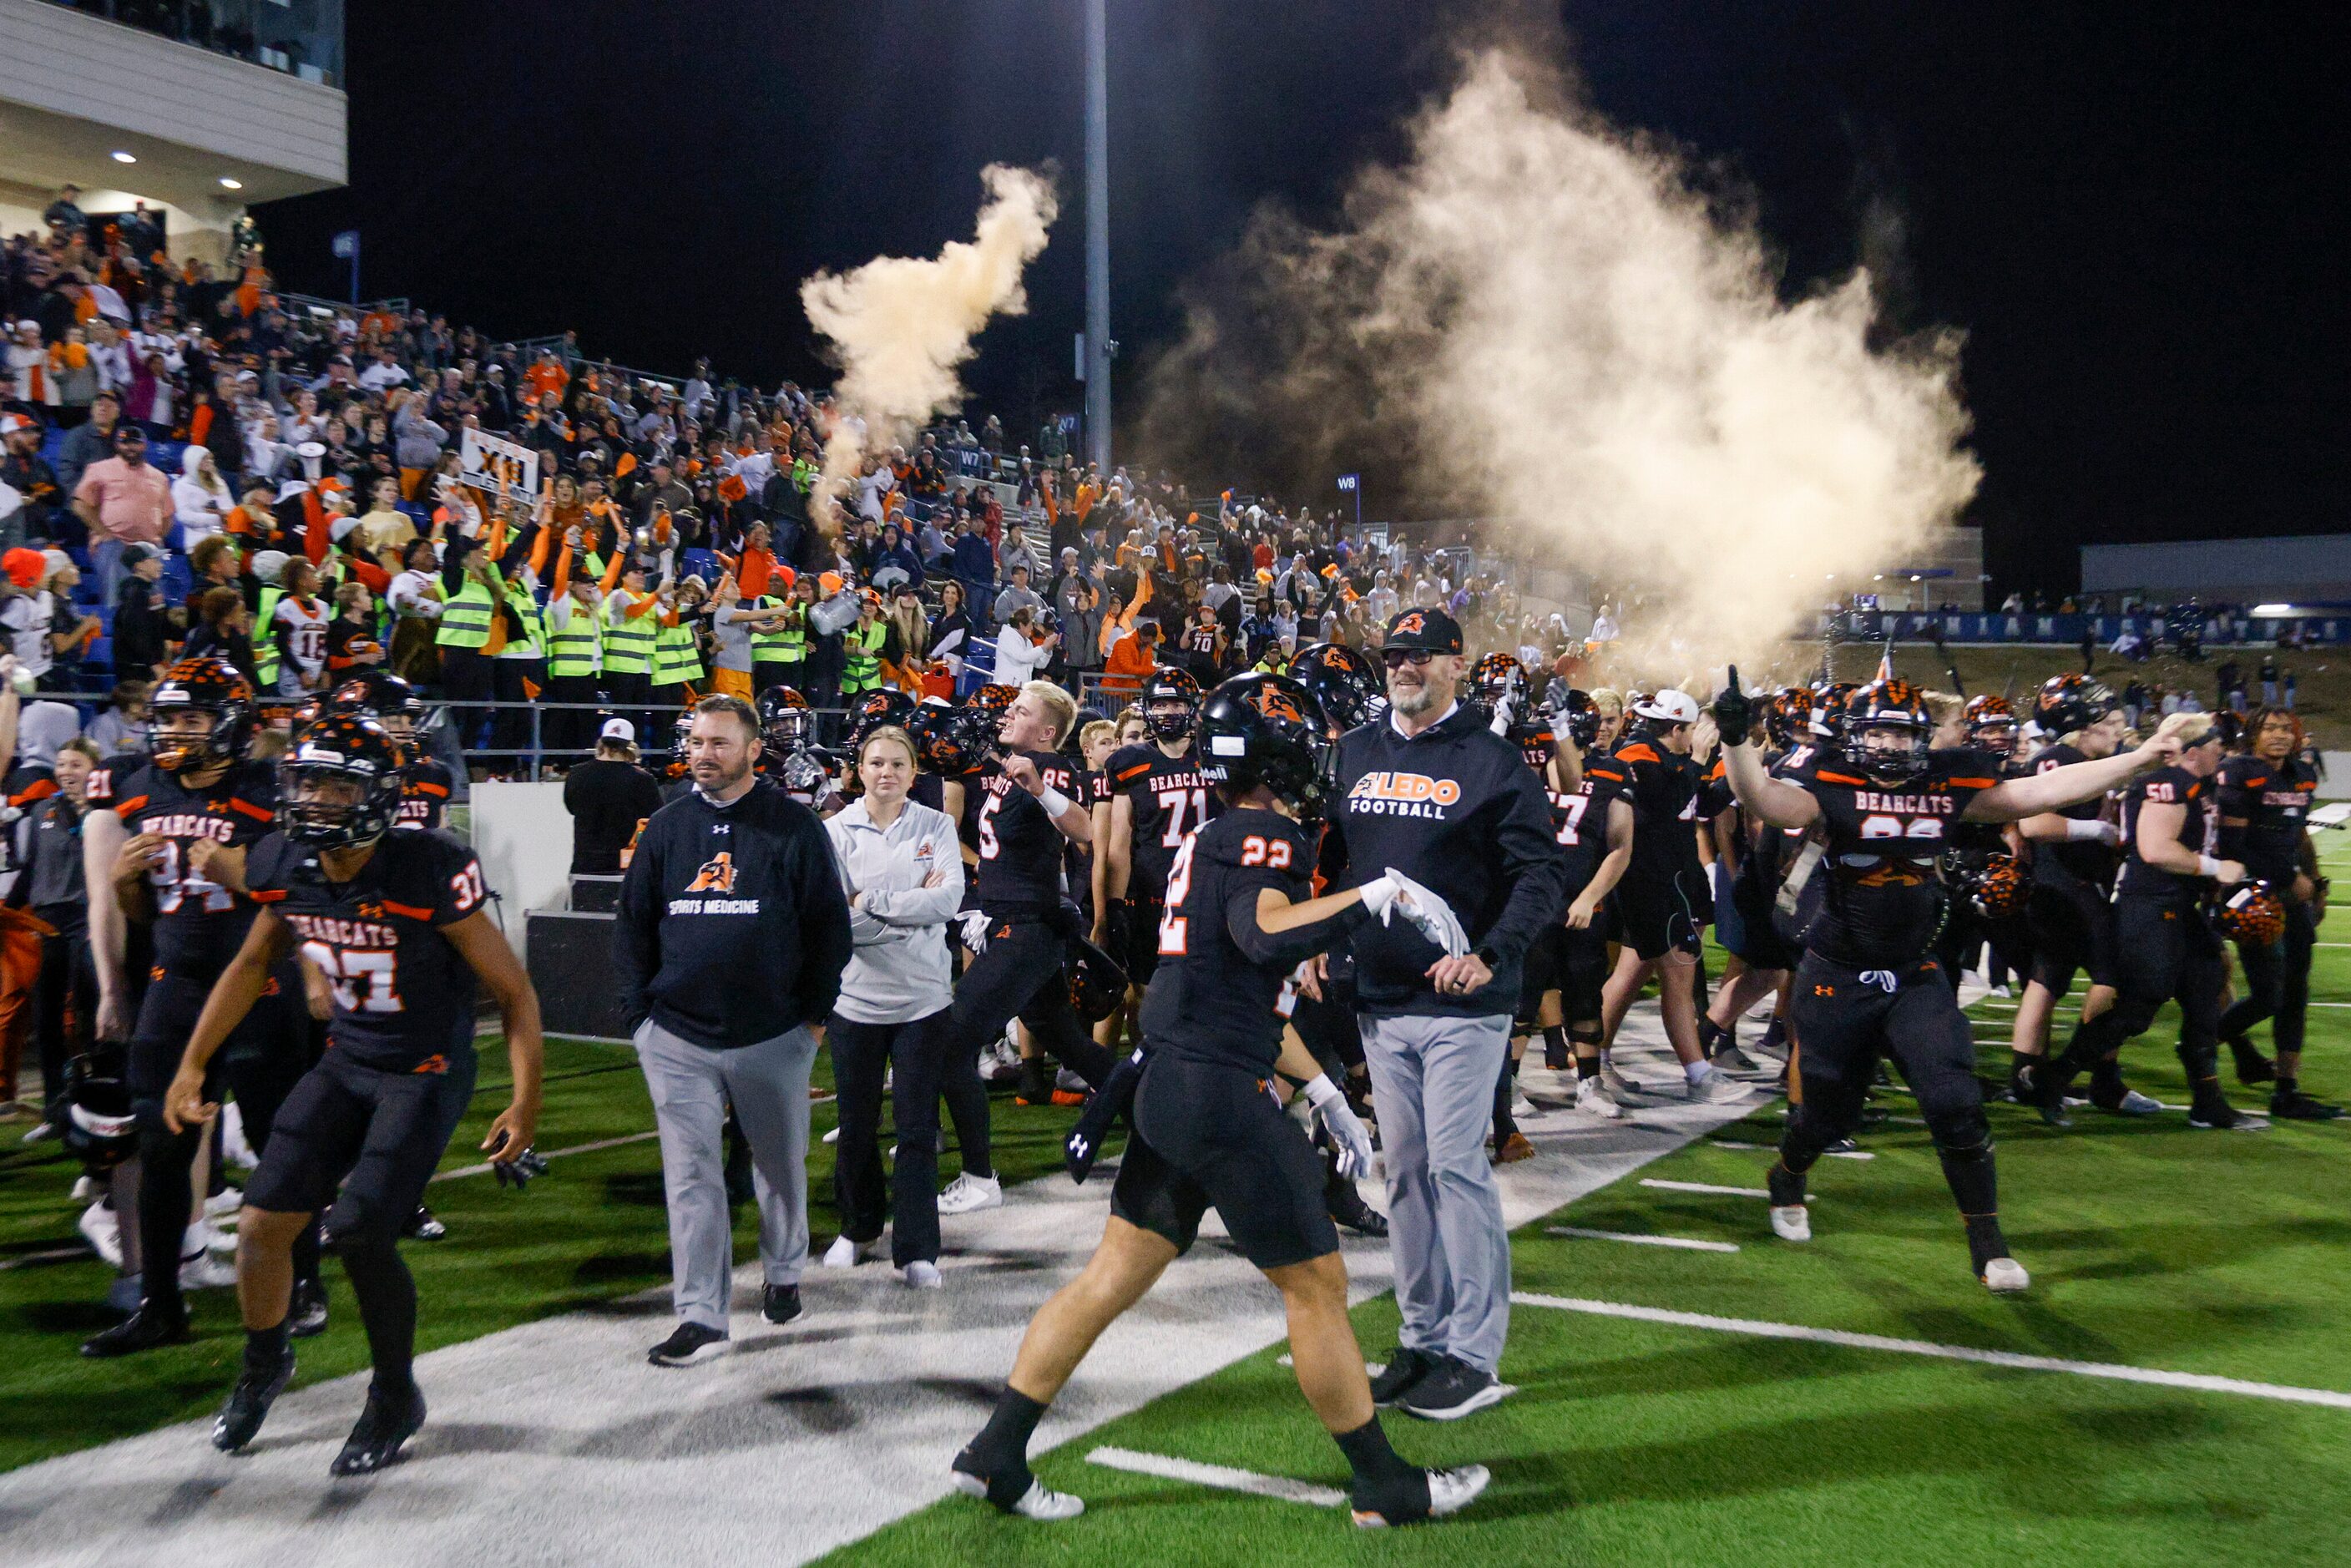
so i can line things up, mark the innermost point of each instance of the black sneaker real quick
(1036, 1086)
(1349, 1212)
(691, 1343)
(2297, 1106)
(248, 1404)
(151, 1327)
(2252, 1067)
(780, 1304)
(423, 1227)
(387, 1423)
(2216, 1114)
(1405, 1368)
(307, 1314)
(1451, 1390)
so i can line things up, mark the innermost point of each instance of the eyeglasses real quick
(1395, 658)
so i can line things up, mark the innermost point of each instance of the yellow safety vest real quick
(784, 645)
(628, 644)
(677, 660)
(465, 620)
(534, 625)
(861, 671)
(264, 638)
(571, 647)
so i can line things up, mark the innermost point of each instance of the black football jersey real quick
(2200, 832)
(1581, 820)
(1882, 896)
(1535, 742)
(1168, 797)
(1663, 787)
(403, 994)
(1020, 848)
(2084, 862)
(199, 923)
(1210, 999)
(2272, 799)
(424, 793)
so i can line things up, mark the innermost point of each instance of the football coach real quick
(730, 941)
(1429, 790)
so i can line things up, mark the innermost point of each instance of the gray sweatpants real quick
(692, 1085)
(1433, 1079)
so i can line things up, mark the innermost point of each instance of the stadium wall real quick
(2297, 569)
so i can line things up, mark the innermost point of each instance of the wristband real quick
(1054, 800)
(2207, 866)
(1320, 1092)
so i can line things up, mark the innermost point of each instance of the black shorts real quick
(1663, 912)
(275, 1034)
(1019, 975)
(1844, 1019)
(385, 1131)
(1206, 1134)
(1759, 944)
(1584, 972)
(1138, 948)
(1544, 970)
(2072, 927)
(2165, 952)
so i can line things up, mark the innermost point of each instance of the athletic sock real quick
(1000, 1452)
(1775, 1034)
(265, 1349)
(1696, 1072)
(1384, 1484)
(1975, 1185)
(386, 1294)
(306, 1253)
(1710, 1035)
(2106, 1084)
(1504, 1124)
(1984, 1240)
(1036, 1084)
(1587, 1067)
(1787, 1185)
(1554, 1047)
(2286, 1086)
(2022, 1065)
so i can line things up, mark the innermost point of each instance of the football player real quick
(2164, 950)
(164, 845)
(425, 781)
(1593, 822)
(1879, 811)
(2264, 806)
(1157, 794)
(1765, 958)
(1237, 919)
(394, 921)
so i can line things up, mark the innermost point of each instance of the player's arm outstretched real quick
(267, 943)
(1774, 800)
(484, 947)
(2075, 782)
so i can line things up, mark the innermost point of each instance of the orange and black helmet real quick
(1496, 676)
(340, 785)
(1171, 704)
(938, 732)
(1874, 710)
(1788, 721)
(1265, 729)
(785, 721)
(2070, 702)
(1987, 713)
(1829, 699)
(1345, 683)
(206, 683)
(2252, 913)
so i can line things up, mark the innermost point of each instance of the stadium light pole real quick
(1099, 348)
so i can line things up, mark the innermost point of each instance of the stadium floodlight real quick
(228, 183)
(122, 157)
(2272, 609)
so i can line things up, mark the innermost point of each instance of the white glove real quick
(1392, 894)
(974, 929)
(1501, 724)
(1347, 1136)
(803, 774)
(2094, 830)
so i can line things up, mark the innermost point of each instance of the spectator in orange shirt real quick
(123, 500)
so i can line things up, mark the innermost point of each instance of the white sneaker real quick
(228, 1200)
(233, 1148)
(2134, 1103)
(920, 1275)
(1592, 1095)
(2002, 992)
(1069, 1082)
(2003, 1276)
(41, 1132)
(1619, 1086)
(1449, 1491)
(1038, 1502)
(968, 1194)
(1714, 1089)
(207, 1273)
(1791, 1222)
(832, 1134)
(102, 1229)
(84, 1189)
(846, 1254)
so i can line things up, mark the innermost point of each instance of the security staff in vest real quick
(630, 615)
(470, 591)
(677, 657)
(269, 657)
(730, 939)
(574, 664)
(779, 642)
(1429, 790)
(519, 666)
(863, 648)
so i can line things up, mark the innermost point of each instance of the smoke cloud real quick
(900, 326)
(1545, 321)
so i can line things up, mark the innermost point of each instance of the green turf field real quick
(2150, 1246)
(591, 1231)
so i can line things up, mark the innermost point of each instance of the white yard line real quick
(483, 1169)
(1768, 1148)
(2114, 1371)
(1169, 1467)
(1705, 1187)
(1686, 1243)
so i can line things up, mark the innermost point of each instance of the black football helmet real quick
(1829, 701)
(101, 1128)
(1579, 716)
(1496, 676)
(206, 683)
(1888, 731)
(786, 724)
(2070, 702)
(1266, 729)
(340, 785)
(883, 705)
(938, 731)
(380, 695)
(1341, 681)
(1990, 723)
(1171, 704)
(982, 717)
(1789, 720)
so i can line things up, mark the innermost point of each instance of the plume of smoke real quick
(900, 326)
(1547, 322)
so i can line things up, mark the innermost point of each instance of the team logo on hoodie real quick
(1402, 795)
(716, 875)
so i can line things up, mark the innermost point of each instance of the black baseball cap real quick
(1423, 631)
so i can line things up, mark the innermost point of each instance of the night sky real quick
(2137, 213)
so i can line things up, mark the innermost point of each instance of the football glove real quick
(1504, 706)
(516, 1172)
(1392, 894)
(1350, 1143)
(974, 929)
(1734, 711)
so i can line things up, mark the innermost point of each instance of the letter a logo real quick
(716, 875)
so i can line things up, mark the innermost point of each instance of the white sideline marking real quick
(2106, 1369)
(1687, 1243)
(1705, 1187)
(1169, 1468)
(483, 1169)
(1766, 1148)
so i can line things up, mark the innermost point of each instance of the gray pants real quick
(692, 1085)
(1434, 1082)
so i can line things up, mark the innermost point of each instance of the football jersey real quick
(1020, 848)
(1536, 744)
(403, 995)
(1663, 787)
(1209, 1000)
(1881, 885)
(1580, 819)
(199, 923)
(2272, 801)
(1168, 797)
(2081, 861)
(424, 793)
(306, 638)
(2200, 833)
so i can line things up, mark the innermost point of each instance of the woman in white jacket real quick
(1018, 659)
(200, 498)
(902, 866)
